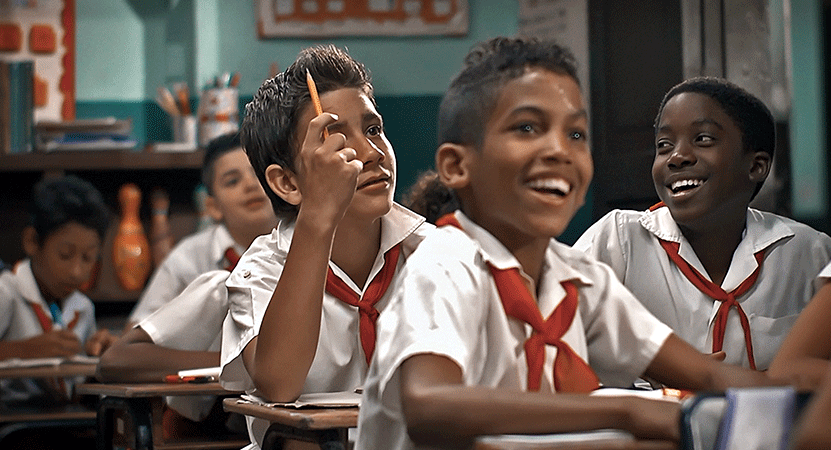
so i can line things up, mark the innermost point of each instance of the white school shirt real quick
(192, 256)
(339, 363)
(795, 254)
(446, 303)
(192, 321)
(825, 274)
(18, 321)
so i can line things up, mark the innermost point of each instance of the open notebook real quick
(346, 399)
(12, 363)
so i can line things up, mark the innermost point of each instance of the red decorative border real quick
(67, 81)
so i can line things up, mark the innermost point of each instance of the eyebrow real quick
(577, 114)
(696, 122)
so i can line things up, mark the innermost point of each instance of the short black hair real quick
(488, 67)
(217, 147)
(68, 199)
(751, 116)
(270, 131)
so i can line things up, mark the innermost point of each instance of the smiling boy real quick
(494, 326)
(722, 275)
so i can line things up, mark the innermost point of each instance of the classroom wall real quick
(126, 48)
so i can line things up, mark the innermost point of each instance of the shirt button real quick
(246, 273)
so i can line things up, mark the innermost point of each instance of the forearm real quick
(11, 349)
(288, 336)
(150, 363)
(439, 410)
(679, 365)
(135, 358)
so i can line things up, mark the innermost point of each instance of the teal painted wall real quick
(127, 48)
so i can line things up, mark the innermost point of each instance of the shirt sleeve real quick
(622, 336)
(250, 287)
(193, 319)
(604, 241)
(436, 308)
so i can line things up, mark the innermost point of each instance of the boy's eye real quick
(231, 181)
(375, 130)
(578, 135)
(705, 139)
(525, 128)
(663, 145)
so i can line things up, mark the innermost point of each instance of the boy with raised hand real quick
(303, 300)
(241, 210)
(42, 312)
(494, 327)
(724, 276)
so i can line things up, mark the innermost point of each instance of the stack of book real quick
(85, 134)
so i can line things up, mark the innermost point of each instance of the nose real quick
(79, 270)
(558, 148)
(680, 156)
(369, 152)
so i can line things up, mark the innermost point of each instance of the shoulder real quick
(587, 265)
(615, 222)
(263, 259)
(444, 251)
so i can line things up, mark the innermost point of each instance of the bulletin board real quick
(332, 18)
(43, 31)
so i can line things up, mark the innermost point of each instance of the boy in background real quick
(702, 261)
(241, 210)
(493, 326)
(303, 300)
(42, 312)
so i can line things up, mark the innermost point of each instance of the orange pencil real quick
(315, 99)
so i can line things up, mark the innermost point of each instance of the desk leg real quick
(139, 412)
(333, 439)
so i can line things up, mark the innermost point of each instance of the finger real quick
(719, 356)
(314, 134)
(348, 154)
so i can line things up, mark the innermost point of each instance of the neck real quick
(715, 247)
(355, 247)
(531, 256)
(245, 237)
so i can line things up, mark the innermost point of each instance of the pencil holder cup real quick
(184, 129)
(218, 113)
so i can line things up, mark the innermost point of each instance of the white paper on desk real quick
(12, 363)
(583, 437)
(203, 372)
(346, 399)
(757, 418)
(656, 394)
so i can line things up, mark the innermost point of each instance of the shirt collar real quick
(27, 285)
(555, 268)
(220, 242)
(761, 231)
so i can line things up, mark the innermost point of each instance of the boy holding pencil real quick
(303, 300)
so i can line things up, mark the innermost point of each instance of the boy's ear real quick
(213, 209)
(453, 164)
(30, 241)
(284, 183)
(760, 168)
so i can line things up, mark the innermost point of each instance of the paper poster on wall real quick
(330, 18)
(564, 21)
(43, 31)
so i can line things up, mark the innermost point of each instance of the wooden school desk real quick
(328, 427)
(144, 406)
(29, 415)
(622, 445)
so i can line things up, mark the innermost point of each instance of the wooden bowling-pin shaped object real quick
(160, 237)
(131, 251)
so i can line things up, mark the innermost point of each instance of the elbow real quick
(110, 368)
(276, 389)
(425, 414)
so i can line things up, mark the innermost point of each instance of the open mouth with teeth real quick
(685, 185)
(555, 186)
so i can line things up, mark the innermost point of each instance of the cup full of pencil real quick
(177, 105)
(218, 110)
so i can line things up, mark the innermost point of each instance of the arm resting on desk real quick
(135, 358)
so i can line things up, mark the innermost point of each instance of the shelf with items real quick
(177, 173)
